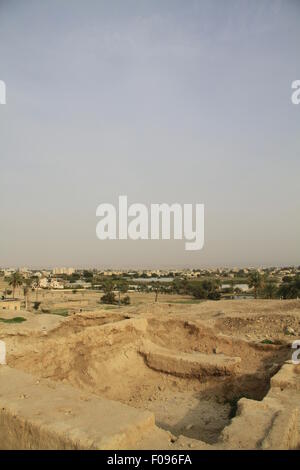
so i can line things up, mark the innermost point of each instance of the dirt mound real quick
(270, 326)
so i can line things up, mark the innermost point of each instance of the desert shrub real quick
(126, 300)
(108, 298)
(214, 295)
(205, 290)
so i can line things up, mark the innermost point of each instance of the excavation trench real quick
(189, 377)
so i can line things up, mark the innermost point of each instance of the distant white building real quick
(44, 282)
(242, 287)
(50, 284)
(54, 284)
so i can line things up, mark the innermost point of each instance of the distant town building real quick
(68, 271)
(54, 284)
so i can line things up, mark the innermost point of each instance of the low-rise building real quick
(10, 304)
(54, 284)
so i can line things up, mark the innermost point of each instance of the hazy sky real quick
(163, 101)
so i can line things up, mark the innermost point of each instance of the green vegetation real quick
(290, 289)
(205, 290)
(109, 298)
(269, 290)
(58, 311)
(36, 305)
(122, 287)
(186, 301)
(267, 341)
(13, 320)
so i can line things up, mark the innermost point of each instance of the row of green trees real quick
(262, 285)
(268, 288)
(17, 280)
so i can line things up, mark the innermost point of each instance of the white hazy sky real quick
(162, 100)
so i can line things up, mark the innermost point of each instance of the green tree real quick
(270, 290)
(108, 298)
(157, 288)
(180, 286)
(16, 280)
(122, 287)
(255, 282)
(206, 289)
(108, 286)
(291, 289)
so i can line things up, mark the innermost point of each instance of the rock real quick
(290, 331)
(189, 426)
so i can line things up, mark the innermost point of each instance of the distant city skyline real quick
(146, 268)
(167, 102)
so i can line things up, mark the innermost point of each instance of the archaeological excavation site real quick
(217, 375)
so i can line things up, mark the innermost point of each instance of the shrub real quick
(108, 298)
(126, 300)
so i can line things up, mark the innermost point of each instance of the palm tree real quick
(36, 283)
(26, 289)
(157, 288)
(255, 281)
(15, 281)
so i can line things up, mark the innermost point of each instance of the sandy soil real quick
(98, 350)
